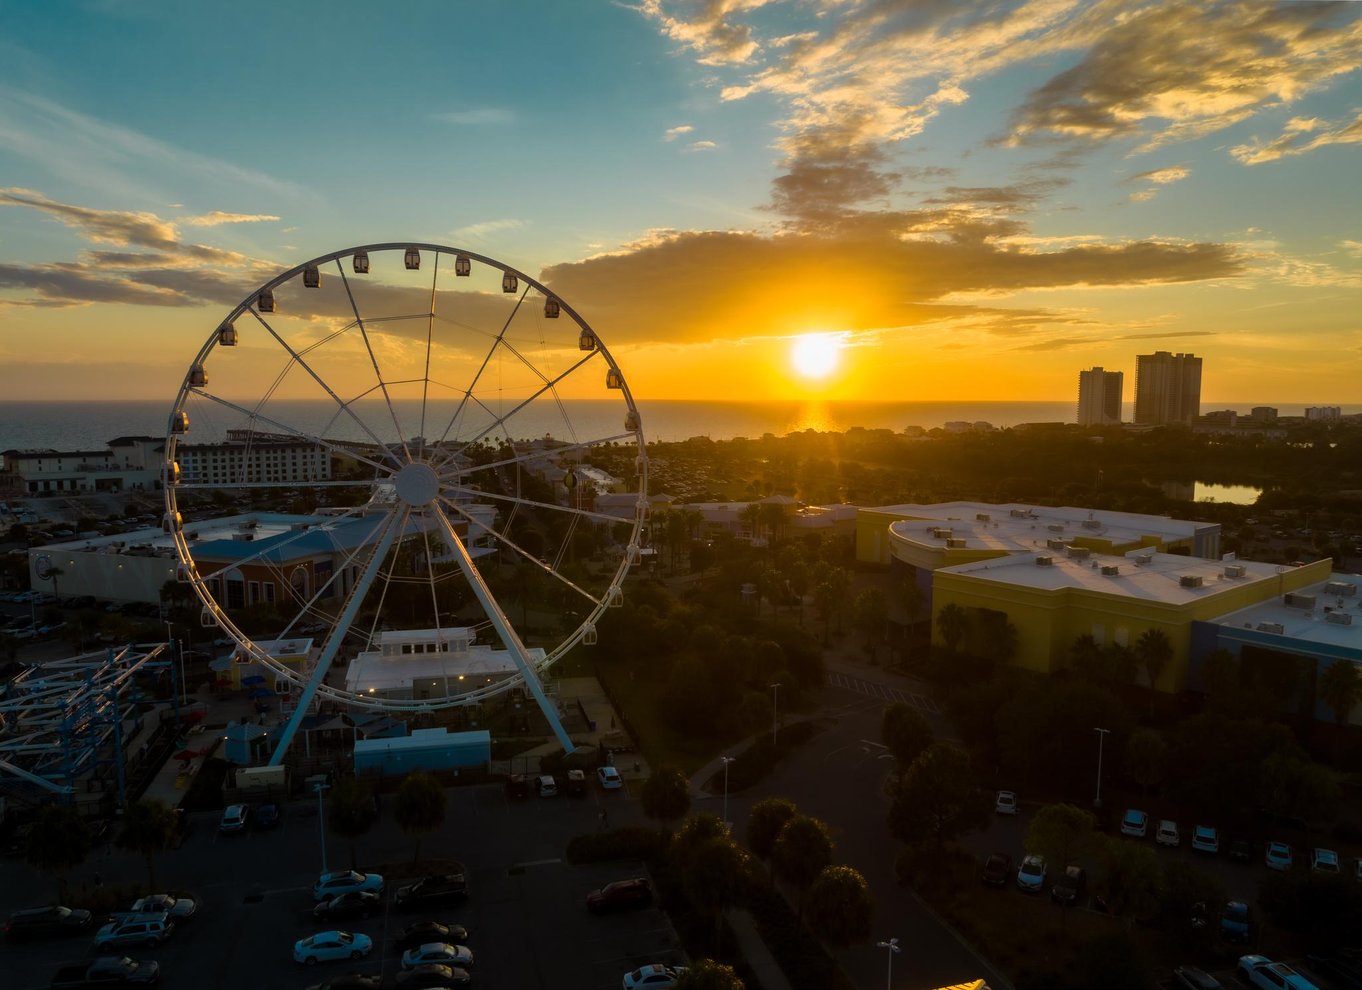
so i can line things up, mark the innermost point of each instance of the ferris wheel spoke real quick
(479, 493)
(299, 360)
(430, 337)
(331, 445)
(373, 358)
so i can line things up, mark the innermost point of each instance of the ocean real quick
(91, 425)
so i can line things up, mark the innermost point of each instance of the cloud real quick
(1353, 248)
(1296, 139)
(707, 30)
(1163, 176)
(1168, 334)
(701, 146)
(217, 217)
(484, 115)
(476, 231)
(672, 133)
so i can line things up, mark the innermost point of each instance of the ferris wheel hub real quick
(417, 484)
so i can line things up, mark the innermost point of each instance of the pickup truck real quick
(106, 971)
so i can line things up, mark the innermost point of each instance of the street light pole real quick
(726, 761)
(775, 711)
(1101, 738)
(893, 949)
(170, 638)
(321, 788)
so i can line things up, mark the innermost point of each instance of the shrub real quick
(758, 760)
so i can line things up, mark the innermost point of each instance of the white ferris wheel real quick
(397, 450)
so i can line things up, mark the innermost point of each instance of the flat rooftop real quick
(1311, 625)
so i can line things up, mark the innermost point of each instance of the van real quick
(548, 787)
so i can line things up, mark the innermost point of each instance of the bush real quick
(806, 963)
(758, 760)
(647, 844)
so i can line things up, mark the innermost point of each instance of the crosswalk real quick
(883, 692)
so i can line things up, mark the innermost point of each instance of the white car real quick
(343, 881)
(1324, 861)
(1277, 856)
(1006, 803)
(234, 818)
(654, 976)
(1135, 823)
(1260, 971)
(1168, 834)
(440, 954)
(1205, 839)
(547, 785)
(609, 778)
(179, 908)
(327, 946)
(1031, 874)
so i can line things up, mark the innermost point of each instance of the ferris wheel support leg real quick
(333, 644)
(508, 635)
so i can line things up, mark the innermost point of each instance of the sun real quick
(816, 355)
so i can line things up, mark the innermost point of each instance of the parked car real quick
(1277, 856)
(997, 870)
(351, 904)
(267, 816)
(546, 785)
(609, 778)
(1070, 886)
(1134, 823)
(442, 953)
(576, 782)
(105, 971)
(341, 881)
(1205, 839)
(622, 895)
(432, 976)
(1167, 834)
(424, 932)
(654, 976)
(517, 786)
(1031, 874)
(351, 981)
(1324, 861)
(1260, 971)
(180, 908)
(47, 921)
(1005, 803)
(329, 946)
(234, 818)
(1241, 851)
(1236, 922)
(135, 929)
(1191, 978)
(438, 888)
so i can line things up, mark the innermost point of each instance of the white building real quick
(413, 664)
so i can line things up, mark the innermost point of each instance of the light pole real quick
(775, 711)
(321, 788)
(726, 761)
(1101, 738)
(170, 638)
(893, 949)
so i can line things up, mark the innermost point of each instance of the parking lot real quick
(526, 916)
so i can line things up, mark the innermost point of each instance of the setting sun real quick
(816, 355)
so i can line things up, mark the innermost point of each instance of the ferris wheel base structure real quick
(435, 381)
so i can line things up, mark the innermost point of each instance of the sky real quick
(841, 199)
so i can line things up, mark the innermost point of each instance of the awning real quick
(250, 679)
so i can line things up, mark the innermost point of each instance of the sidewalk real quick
(754, 950)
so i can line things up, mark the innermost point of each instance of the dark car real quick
(351, 904)
(1241, 851)
(1070, 885)
(351, 981)
(997, 870)
(432, 975)
(436, 889)
(622, 895)
(517, 786)
(45, 921)
(1236, 922)
(425, 932)
(267, 816)
(1191, 978)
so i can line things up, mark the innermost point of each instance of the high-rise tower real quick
(1167, 388)
(1099, 397)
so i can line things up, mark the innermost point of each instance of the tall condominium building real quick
(1167, 388)
(1099, 397)
(1323, 412)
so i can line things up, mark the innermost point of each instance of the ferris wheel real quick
(404, 452)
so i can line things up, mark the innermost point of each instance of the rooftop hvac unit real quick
(982, 517)
(1045, 561)
(1110, 570)
(1234, 570)
(1020, 513)
(955, 544)
(1306, 602)
(1092, 524)
(941, 533)
(245, 535)
(1078, 553)
(1191, 581)
(1143, 558)
(1056, 544)
(1344, 589)
(1055, 527)
(1339, 618)
(1271, 627)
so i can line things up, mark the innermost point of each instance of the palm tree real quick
(1340, 688)
(148, 828)
(52, 574)
(419, 807)
(1154, 650)
(952, 622)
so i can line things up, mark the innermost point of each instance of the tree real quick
(952, 622)
(764, 822)
(148, 829)
(1340, 688)
(840, 907)
(714, 878)
(709, 975)
(803, 848)
(665, 795)
(59, 842)
(419, 807)
(1154, 650)
(1061, 833)
(1186, 900)
(871, 611)
(937, 798)
(350, 812)
(906, 732)
(1132, 878)
(1146, 758)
